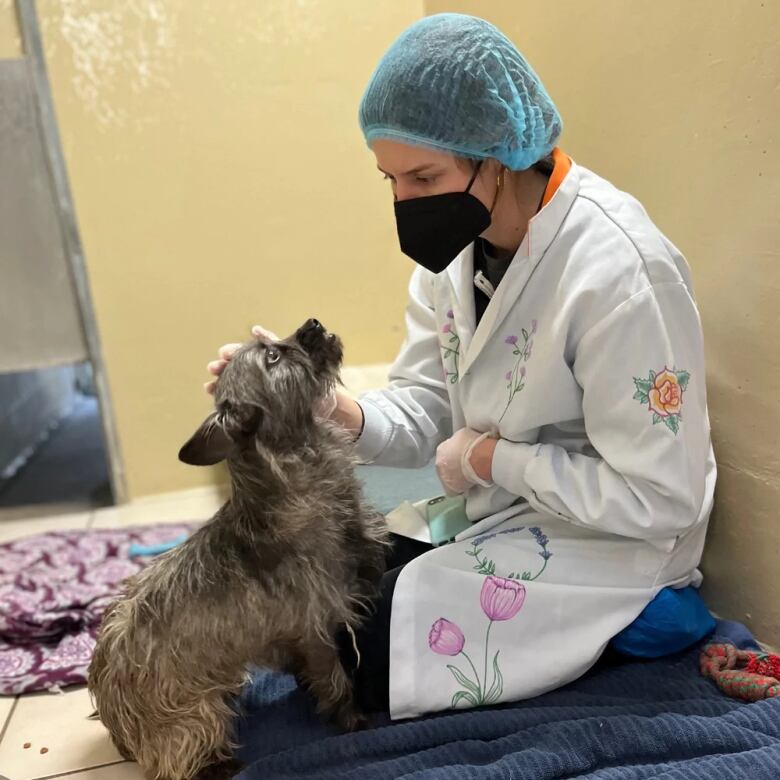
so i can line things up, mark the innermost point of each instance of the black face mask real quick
(435, 229)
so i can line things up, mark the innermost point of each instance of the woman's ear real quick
(210, 444)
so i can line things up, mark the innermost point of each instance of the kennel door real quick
(40, 320)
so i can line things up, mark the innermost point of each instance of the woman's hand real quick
(465, 460)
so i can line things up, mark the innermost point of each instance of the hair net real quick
(456, 83)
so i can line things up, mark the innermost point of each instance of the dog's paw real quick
(350, 719)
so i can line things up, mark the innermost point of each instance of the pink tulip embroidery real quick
(450, 348)
(446, 638)
(485, 565)
(663, 394)
(515, 379)
(501, 599)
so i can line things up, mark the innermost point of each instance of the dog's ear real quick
(210, 444)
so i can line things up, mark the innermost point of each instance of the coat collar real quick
(559, 197)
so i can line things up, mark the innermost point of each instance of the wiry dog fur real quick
(289, 559)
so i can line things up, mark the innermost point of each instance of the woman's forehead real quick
(398, 158)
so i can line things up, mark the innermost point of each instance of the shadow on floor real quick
(69, 472)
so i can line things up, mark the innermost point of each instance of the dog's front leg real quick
(323, 674)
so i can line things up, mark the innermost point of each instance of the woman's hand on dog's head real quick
(226, 352)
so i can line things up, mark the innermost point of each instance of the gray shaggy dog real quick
(290, 559)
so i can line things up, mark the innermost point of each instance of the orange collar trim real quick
(562, 167)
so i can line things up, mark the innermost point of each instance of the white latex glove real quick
(325, 407)
(260, 331)
(453, 462)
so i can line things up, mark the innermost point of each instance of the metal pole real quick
(36, 62)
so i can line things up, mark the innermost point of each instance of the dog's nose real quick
(311, 333)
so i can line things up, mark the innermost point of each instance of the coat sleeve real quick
(405, 422)
(641, 370)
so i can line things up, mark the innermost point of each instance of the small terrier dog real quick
(292, 558)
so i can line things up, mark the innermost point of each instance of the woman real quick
(554, 367)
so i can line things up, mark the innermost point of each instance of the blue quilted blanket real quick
(624, 720)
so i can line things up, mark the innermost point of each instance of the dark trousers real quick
(371, 677)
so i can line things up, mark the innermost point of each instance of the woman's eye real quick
(272, 356)
(424, 179)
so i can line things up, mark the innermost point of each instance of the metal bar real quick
(34, 55)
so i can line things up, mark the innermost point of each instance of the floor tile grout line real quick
(83, 769)
(7, 722)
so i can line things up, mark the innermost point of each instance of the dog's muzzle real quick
(311, 334)
(316, 340)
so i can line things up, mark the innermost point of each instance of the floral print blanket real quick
(54, 588)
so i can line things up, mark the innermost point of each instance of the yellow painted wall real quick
(220, 179)
(10, 43)
(678, 104)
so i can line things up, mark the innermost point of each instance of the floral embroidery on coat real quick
(485, 565)
(450, 349)
(500, 599)
(515, 378)
(663, 394)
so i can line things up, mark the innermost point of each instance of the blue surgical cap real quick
(456, 83)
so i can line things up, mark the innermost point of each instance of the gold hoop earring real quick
(499, 187)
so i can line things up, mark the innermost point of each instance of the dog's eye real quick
(272, 355)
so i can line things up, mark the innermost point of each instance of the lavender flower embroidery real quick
(485, 565)
(450, 348)
(501, 600)
(515, 379)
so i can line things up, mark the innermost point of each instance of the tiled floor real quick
(62, 741)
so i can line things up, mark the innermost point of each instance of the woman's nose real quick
(403, 192)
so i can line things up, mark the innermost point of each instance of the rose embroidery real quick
(663, 394)
(500, 599)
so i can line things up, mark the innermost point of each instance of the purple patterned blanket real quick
(54, 588)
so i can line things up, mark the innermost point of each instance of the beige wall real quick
(678, 104)
(220, 179)
(10, 43)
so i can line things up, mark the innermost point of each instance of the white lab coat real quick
(589, 365)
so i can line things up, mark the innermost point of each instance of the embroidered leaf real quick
(447, 351)
(525, 334)
(462, 695)
(497, 687)
(643, 385)
(453, 378)
(673, 423)
(473, 688)
(526, 575)
(656, 419)
(640, 396)
(652, 376)
(453, 337)
(683, 377)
